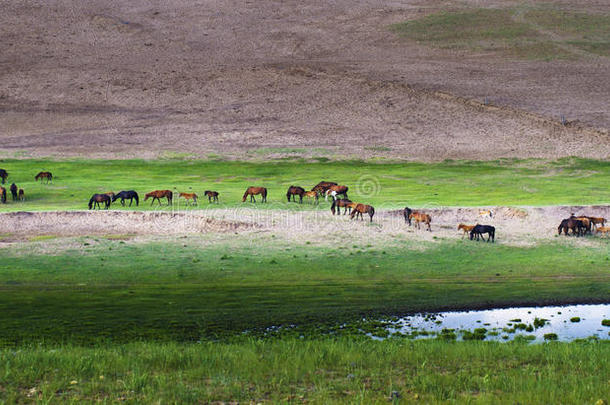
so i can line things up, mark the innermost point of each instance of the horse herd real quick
(17, 193)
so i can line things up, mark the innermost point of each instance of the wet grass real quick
(385, 185)
(319, 371)
(112, 290)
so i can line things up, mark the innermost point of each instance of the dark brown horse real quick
(212, 195)
(96, 199)
(3, 175)
(337, 204)
(158, 195)
(21, 195)
(44, 175)
(293, 191)
(252, 191)
(360, 209)
(124, 195)
(2, 195)
(573, 224)
(14, 191)
(407, 213)
(322, 186)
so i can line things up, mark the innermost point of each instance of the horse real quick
(124, 195)
(311, 194)
(21, 195)
(407, 213)
(360, 209)
(586, 222)
(337, 204)
(597, 221)
(212, 195)
(420, 217)
(322, 186)
(189, 196)
(44, 175)
(479, 230)
(336, 190)
(466, 228)
(603, 229)
(2, 195)
(572, 223)
(14, 191)
(252, 191)
(3, 175)
(485, 213)
(158, 195)
(294, 191)
(96, 199)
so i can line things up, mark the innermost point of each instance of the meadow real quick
(382, 184)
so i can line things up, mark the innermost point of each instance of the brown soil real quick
(258, 79)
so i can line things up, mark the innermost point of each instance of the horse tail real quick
(372, 212)
(264, 193)
(50, 175)
(135, 195)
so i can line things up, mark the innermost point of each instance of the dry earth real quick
(522, 226)
(256, 79)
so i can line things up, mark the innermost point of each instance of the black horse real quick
(14, 191)
(3, 175)
(407, 213)
(127, 195)
(96, 199)
(479, 230)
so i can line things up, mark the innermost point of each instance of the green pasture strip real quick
(385, 185)
(320, 371)
(124, 292)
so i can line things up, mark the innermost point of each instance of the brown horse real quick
(337, 204)
(21, 195)
(44, 175)
(603, 230)
(586, 222)
(212, 195)
(485, 213)
(573, 224)
(597, 221)
(189, 196)
(158, 195)
(294, 191)
(252, 191)
(2, 195)
(420, 217)
(311, 194)
(334, 191)
(360, 209)
(322, 186)
(465, 228)
(96, 199)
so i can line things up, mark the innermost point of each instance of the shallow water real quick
(500, 323)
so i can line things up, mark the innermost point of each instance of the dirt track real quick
(273, 79)
(515, 226)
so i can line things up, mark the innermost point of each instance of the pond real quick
(563, 323)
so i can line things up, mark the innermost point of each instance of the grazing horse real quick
(158, 195)
(420, 217)
(21, 195)
(3, 175)
(322, 186)
(294, 191)
(311, 194)
(586, 222)
(407, 213)
(252, 191)
(336, 190)
(466, 228)
(479, 230)
(212, 195)
(14, 191)
(96, 199)
(572, 223)
(485, 213)
(360, 209)
(44, 175)
(124, 195)
(603, 229)
(2, 195)
(189, 196)
(337, 204)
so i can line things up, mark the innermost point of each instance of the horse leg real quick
(429, 226)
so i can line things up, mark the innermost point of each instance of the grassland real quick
(386, 185)
(532, 33)
(314, 371)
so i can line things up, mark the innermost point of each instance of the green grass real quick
(168, 291)
(500, 30)
(385, 185)
(320, 371)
